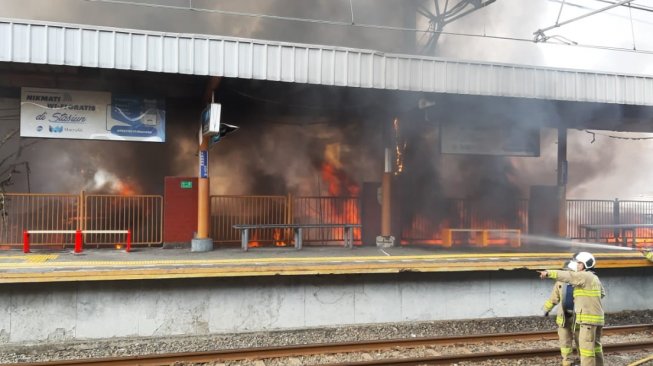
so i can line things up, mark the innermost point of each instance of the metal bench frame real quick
(297, 230)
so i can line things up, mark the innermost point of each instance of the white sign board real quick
(489, 138)
(211, 119)
(73, 114)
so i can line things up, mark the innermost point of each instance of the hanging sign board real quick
(74, 114)
(489, 138)
(211, 119)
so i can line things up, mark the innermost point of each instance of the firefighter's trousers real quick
(567, 337)
(589, 345)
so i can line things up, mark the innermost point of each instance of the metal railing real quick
(465, 214)
(609, 212)
(327, 210)
(143, 214)
(227, 211)
(23, 211)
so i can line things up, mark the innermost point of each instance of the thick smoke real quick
(287, 136)
(70, 166)
(282, 150)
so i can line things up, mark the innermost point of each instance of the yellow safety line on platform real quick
(323, 269)
(383, 259)
(31, 258)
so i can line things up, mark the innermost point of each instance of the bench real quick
(592, 231)
(297, 230)
(515, 234)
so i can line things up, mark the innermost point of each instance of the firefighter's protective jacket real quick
(558, 297)
(588, 292)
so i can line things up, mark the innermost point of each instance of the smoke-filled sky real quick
(278, 151)
(500, 32)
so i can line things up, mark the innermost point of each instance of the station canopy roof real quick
(36, 42)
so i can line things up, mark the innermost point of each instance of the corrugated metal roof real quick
(114, 48)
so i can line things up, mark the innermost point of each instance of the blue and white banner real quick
(73, 114)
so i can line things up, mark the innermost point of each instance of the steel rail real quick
(327, 348)
(484, 356)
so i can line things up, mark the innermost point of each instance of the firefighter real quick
(562, 295)
(588, 310)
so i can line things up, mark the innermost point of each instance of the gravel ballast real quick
(13, 353)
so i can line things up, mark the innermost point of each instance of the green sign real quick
(186, 184)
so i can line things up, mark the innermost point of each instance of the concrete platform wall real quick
(74, 311)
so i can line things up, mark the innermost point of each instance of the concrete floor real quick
(156, 263)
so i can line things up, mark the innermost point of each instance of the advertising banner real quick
(73, 114)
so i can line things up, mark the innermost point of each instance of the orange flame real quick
(124, 189)
(339, 184)
(277, 236)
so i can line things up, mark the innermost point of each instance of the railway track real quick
(367, 346)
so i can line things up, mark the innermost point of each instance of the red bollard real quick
(78, 241)
(129, 241)
(25, 241)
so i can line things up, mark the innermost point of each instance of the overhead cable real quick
(371, 26)
(540, 36)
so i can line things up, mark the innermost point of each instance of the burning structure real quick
(316, 120)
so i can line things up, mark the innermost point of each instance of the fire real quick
(339, 206)
(253, 242)
(124, 189)
(277, 236)
(399, 148)
(107, 182)
(338, 183)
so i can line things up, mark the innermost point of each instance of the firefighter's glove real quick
(546, 314)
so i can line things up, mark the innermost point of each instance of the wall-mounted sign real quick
(186, 184)
(72, 114)
(489, 138)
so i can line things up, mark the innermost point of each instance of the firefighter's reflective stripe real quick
(587, 293)
(587, 352)
(589, 319)
(598, 349)
(565, 351)
(560, 320)
(649, 255)
(553, 274)
(548, 305)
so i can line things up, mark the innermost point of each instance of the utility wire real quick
(372, 26)
(632, 27)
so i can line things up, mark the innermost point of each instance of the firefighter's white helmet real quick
(586, 258)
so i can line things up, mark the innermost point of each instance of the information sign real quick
(204, 164)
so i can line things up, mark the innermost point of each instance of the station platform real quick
(157, 263)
